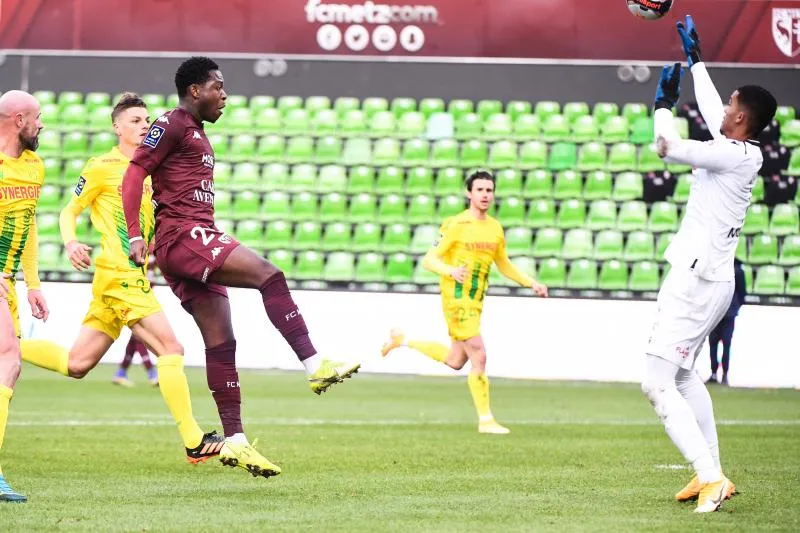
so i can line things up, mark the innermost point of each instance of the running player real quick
(698, 289)
(122, 294)
(468, 245)
(198, 260)
(21, 178)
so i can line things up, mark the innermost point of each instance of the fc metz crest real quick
(786, 30)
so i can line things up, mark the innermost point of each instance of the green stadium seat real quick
(360, 178)
(270, 148)
(598, 185)
(411, 124)
(512, 211)
(369, 268)
(793, 282)
(47, 226)
(503, 154)
(275, 205)
(102, 142)
(423, 238)
(50, 259)
(284, 260)
(783, 114)
(756, 220)
(357, 151)
(615, 130)
(769, 280)
(363, 208)
(391, 209)
(303, 177)
(75, 144)
(354, 123)
(498, 126)
(444, 153)
(663, 217)
(401, 106)
(390, 180)
(790, 250)
(374, 105)
(99, 118)
(307, 235)
(246, 176)
(741, 249)
(474, 153)
(683, 187)
(151, 99)
(486, 108)
(67, 98)
(386, 151)
(784, 220)
(603, 110)
(242, 147)
(548, 242)
(613, 276)
(72, 170)
(325, 122)
(345, 104)
(763, 250)
(314, 104)
(526, 127)
(220, 144)
(608, 245)
(251, 234)
(459, 107)
(563, 156)
(516, 108)
(50, 115)
(223, 175)
(644, 277)
(260, 102)
(268, 120)
(49, 143)
(45, 97)
(582, 274)
(239, 120)
(336, 237)
(288, 103)
(642, 131)
(592, 156)
(223, 203)
(246, 204)
(518, 240)
(449, 180)
(577, 244)
(546, 108)
(533, 154)
(555, 128)
(571, 214)
(96, 99)
(274, 176)
(332, 178)
(172, 101)
(366, 237)
(450, 205)
(52, 169)
(632, 216)
(340, 266)
(602, 215)
(790, 133)
(382, 124)
(309, 265)
(431, 106)
(538, 184)
(423, 276)
(421, 209)
(794, 164)
(278, 234)
(573, 111)
(400, 268)
(758, 191)
(296, 122)
(639, 246)
(50, 199)
(661, 244)
(419, 180)
(648, 159)
(396, 238)
(469, 126)
(568, 184)
(333, 207)
(634, 110)
(541, 213)
(584, 129)
(621, 157)
(553, 272)
(508, 182)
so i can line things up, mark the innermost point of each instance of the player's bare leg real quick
(479, 386)
(244, 268)
(213, 317)
(10, 367)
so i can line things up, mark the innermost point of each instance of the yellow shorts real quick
(13, 306)
(463, 318)
(120, 299)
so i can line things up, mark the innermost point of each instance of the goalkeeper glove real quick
(669, 87)
(690, 41)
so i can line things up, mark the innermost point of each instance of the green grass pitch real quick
(389, 453)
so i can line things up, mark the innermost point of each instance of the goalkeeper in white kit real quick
(697, 291)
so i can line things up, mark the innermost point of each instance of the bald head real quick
(20, 121)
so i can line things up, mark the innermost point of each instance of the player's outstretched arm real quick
(132, 184)
(716, 157)
(508, 269)
(707, 96)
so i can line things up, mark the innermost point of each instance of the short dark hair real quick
(126, 101)
(478, 175)
(760, 105)
(195, 70)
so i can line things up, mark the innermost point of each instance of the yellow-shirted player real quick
(121, 290)
(21, 178)
(468, 245)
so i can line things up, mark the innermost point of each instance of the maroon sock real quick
(285, 315)
(223, 380)
(145, 355)
(130, 350)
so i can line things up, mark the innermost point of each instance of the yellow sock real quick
(5, 398)
(434, 350)
(45, 354)
(479, 388)
(175, 390)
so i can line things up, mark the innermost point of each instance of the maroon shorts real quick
(190, 255)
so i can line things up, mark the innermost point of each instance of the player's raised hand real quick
(4, 285)
(78, 254)
(138, 253)
(459, 273)
(662, 146)
(539, 289)
(690, 40)
(668, 91)
(39, 307)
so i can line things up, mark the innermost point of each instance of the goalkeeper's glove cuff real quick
(663, 104)
(693, 59)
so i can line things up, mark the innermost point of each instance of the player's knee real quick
(173, 347)
(76, 368)
(456, 365)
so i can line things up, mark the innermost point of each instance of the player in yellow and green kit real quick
(121, 290)
(468, 245)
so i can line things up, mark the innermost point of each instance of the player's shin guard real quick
(434, 350)
(45, 354)
(175, 390)
(479, 389)
(285, 315)
(223, 381)
(5, 399)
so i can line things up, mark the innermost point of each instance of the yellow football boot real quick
(329, 373)
(245, 456)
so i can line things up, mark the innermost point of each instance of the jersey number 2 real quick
(205, 237)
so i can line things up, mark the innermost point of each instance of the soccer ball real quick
(649, 9)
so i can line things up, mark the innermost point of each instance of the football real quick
(649, 9)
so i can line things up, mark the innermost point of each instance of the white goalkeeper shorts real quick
(688, 309)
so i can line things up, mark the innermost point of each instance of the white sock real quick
(237, 438)
(678, 418)
(696, 394)
(313, 363)
(486, 418)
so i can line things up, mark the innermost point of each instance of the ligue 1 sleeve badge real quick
(786, 30)
(153, 136)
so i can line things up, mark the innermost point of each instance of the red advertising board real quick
(745, 31)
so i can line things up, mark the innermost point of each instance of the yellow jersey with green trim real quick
(100, 187)
(21, 182)
(474, 244)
